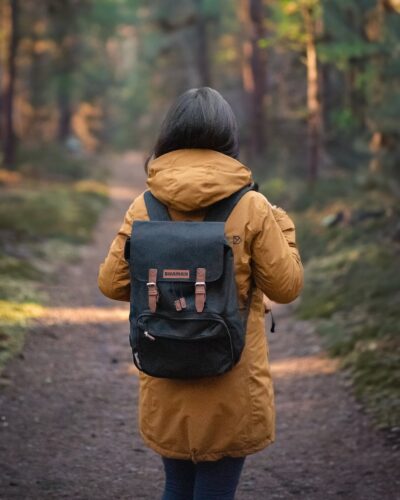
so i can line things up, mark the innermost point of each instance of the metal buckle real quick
(151, 283)
(200, 283)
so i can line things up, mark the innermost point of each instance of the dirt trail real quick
(68, 414)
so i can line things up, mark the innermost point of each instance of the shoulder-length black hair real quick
(199, 118)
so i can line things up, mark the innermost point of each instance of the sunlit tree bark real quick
(62, 22)
(203, 55)
(384, 143)
(313, 93)
(65, 16)
(2, 16)
(9, 141)
(254, 69)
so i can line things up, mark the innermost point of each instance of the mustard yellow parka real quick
(233, 414)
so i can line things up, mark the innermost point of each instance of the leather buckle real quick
(200, 289)
(152, 290)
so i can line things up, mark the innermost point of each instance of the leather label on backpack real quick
(176, 273)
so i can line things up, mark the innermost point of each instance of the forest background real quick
(315, 86)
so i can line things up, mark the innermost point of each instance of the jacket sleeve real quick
(277, 267)
(114, 278)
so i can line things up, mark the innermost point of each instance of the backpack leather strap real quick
(152, 290)
(200, 289)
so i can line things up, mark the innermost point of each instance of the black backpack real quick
(185, 320)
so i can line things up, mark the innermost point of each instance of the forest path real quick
(68, 424)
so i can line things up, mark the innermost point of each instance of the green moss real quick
(15, 313)
(53, 211)
(352, 291)
(52, 161)
(11, 342)
(41, 223)
(375, 367)
(19, 290)
(16, 268)
(14, 319)
(363, 275)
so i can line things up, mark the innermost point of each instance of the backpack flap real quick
(181, 249)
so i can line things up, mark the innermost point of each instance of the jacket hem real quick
(210, 456)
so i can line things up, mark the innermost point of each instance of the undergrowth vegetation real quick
(348, 235)
(48, 206)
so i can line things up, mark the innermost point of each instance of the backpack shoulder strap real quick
(220, 211)
(157, 211)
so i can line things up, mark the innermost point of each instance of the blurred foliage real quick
(52, 162)
(20, 301)
(362, 41)
(14, 319)
(47, 207)
(287, 21)
(103, 73)
(275, 189)
(51, 212)
(352, 287)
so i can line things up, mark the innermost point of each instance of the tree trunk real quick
(327, 95)
(313, 97)
(1, 115)
(259, 69)
(203, 55)
(64, 107)
(64, 34)
(384, 141)
(3, 30)
(9, 88)
(254, 68)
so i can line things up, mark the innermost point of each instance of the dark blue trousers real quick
(186, 480)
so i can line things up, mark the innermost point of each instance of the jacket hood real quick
(191, 179)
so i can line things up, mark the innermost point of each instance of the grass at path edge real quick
(43, 222)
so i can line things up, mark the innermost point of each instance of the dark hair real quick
(199, 118)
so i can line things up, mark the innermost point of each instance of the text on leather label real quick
(176, 273)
